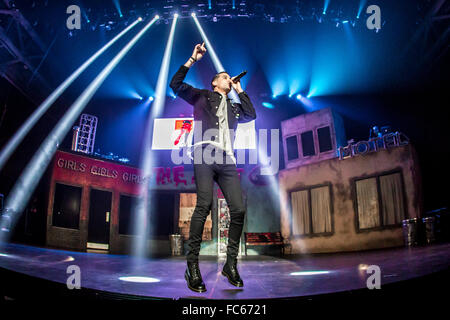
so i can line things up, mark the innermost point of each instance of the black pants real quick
(227, 178)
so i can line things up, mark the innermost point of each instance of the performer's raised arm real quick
(182, 89)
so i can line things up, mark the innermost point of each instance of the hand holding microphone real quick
(239, 76)
(236, 82)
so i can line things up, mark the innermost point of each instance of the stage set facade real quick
(90, 207)
(332, 196)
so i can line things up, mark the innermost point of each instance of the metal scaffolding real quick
(86, 134)
(21, 53)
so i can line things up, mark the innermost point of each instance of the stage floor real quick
(264, 276)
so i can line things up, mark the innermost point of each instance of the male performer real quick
(218, 114)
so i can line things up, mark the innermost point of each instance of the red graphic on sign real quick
(185, 126)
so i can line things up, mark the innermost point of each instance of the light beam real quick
(12, 144)
(146, 162)
(217, 64)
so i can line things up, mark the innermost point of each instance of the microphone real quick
(239, 76)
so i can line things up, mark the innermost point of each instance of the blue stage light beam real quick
(362, 3)
(325, 6)
(311, 93)
(351, 41)
(117, 5)
(307, 103)
(86, 16)
(143, 204)
(268, 105)
(294, 86)
(26, 183)
(14, 142)
(217, 64)
(278, 87)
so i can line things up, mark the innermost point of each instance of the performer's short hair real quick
(215, 77)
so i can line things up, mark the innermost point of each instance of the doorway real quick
(99, 218)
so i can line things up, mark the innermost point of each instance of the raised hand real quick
(199, 51)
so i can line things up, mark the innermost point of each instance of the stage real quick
(265, 277)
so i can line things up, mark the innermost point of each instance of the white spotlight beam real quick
(25, 185)
(12, 144)
(217, 64)
(161, 86)
(215, 59)
(146, 159)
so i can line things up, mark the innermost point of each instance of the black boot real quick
(194, 277)
(231, 272)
